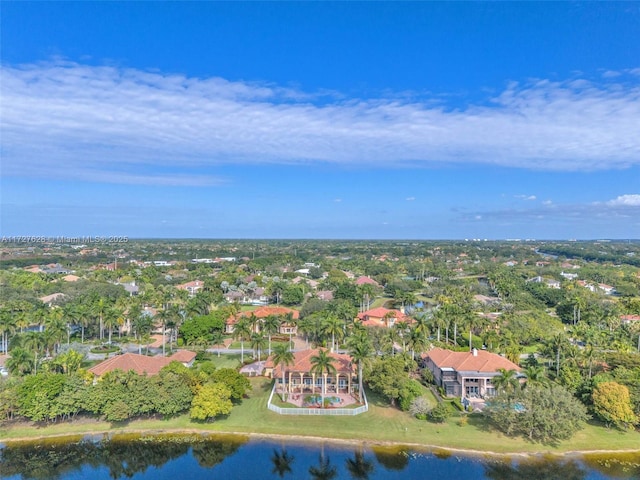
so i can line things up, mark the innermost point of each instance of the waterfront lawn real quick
(381, 424)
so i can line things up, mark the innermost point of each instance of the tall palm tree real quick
(557, 343)
(258, 342)
(34, 342)
(271, 326)
(360, 349)
(507, 381)
(333, 326)
(322, 364)
(417, 342)
(282, 357)
(217, 338)
(7, 328)
(242, 331)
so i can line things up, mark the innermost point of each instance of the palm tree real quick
(557, 344)
(99, 308)
(258, 342)
(322, 364)
(360, 349)
(282, 356)
(242, 331)
(417, 342)
(507, 381)
(7, 328)
(536, 375)
(333, 326)
(282, 462)
(270, 326)
(20, 361)
(217, 338)
(34, 342)
(359, 466)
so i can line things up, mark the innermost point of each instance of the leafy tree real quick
(292, 294)
(210, 401)
(388, 377)
(237, 383)
(37, 396)
(538, 413)
(410, 391)
(612, 403)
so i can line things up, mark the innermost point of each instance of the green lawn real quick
(381, 424)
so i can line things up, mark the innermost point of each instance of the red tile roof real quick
(375, 316)
(140, 364)
(362, 280)
(264, 312)
(302, 361)
(483, 361)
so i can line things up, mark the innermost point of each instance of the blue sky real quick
(321, 120)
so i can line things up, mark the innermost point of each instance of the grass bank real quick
(381, 425)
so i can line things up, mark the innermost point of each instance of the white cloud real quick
(625, 200)
(66, 120)
(410, 199)
(338, 200)
(526, 197)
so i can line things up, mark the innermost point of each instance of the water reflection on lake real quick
(195, 457)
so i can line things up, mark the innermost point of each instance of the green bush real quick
(440, 413)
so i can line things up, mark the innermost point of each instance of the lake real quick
(233, 457)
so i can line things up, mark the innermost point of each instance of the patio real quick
(313, 400)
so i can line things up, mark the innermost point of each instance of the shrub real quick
(440, 413)
(420, 408)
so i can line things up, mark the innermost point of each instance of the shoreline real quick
(315, 440)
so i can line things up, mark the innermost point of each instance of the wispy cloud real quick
(526, 197)
(624, 206)
(410, 199)
(80, 122)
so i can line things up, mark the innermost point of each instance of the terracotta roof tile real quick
(302, 361)
(465, 361)
(264, 312)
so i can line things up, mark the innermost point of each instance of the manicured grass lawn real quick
(381, 423)
(225, 360)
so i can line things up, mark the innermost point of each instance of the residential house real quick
(300, 379)
(53, 299)
(142, 364)
(191, 287)
(549, 282)
(366, 281)
(629, 319)
(382, 317)
(466, 374)
(569, 276)
(260, 313)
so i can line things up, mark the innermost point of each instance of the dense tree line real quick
(118, 396)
